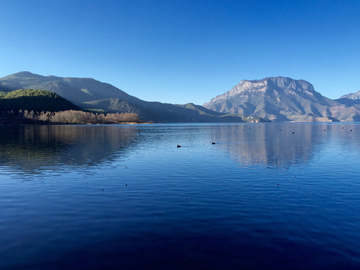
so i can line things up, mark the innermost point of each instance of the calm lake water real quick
(264, 196)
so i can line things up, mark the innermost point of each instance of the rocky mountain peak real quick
(267, 85)
(353, 96)
(280, 99)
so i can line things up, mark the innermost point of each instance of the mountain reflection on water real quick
(233, 196)
(269, 145)
(273, 145)
(32, 147)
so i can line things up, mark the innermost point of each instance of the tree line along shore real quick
(66, 117)
(32, 106)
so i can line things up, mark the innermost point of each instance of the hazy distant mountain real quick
(283, 99)
(352, 95)
(90, 93)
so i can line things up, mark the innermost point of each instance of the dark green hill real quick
(34, 100)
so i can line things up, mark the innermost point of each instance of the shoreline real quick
(36, 122)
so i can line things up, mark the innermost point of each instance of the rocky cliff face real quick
(266, 85)
(282, 99)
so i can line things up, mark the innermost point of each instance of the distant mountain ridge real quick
(68, 87)
(90, 93)
(353, 96)
(283, 99)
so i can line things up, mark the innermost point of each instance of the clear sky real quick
(180, 51)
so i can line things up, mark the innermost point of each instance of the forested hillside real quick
(33, 106)
(34, 100)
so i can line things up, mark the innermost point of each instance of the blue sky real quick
(184, 51)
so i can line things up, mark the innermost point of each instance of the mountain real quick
(34, 100)
(283, 99)
(76, 90)
(89, 93)
(206, 115)
(352, 96)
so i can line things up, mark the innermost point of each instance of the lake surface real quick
(264, 196)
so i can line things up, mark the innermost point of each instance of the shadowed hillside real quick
(34, 100)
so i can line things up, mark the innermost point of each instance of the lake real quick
(233, 196)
